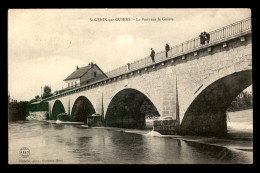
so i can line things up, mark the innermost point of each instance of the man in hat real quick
(202, 39)
(167, 48)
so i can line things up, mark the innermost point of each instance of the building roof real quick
(78, 73)
(81, 71)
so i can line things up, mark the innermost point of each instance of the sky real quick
(46, 45)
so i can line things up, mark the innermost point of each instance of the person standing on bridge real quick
(202, 39)
(152, 54)
(167, 48)
(207, 35)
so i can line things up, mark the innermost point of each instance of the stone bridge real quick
(190, 89)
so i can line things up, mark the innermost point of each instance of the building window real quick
(71, 84)
(95, 74)
(75, 83)
(68, 85)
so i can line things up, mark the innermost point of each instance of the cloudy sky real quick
(45, 46)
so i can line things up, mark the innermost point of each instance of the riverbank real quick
(240, 120)
(64, 122)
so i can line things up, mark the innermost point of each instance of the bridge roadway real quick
(190, 90)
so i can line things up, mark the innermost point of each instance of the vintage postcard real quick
(130, 86)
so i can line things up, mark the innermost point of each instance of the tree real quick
(243, 101)
(46, 91)
(37, 97)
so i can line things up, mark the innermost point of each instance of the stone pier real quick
(166, 126)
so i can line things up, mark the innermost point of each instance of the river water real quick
(51, 143)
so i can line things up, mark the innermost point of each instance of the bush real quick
(17, 111)
(63, 117)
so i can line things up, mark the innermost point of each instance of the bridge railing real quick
(231, 30)
(215, 36)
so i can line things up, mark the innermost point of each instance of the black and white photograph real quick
(146, 86)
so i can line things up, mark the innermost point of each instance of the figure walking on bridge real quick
(152, 54)
(167, 48)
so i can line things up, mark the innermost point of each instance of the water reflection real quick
(130, 147)
(58, 126)
(74, 144)
(217, 154)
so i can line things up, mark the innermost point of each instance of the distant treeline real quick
(242, 102)
(20, 110)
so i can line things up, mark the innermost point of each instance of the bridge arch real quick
(57, 109)
(81, 109)
(133, 85)
(206, 115)
(128, 108)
